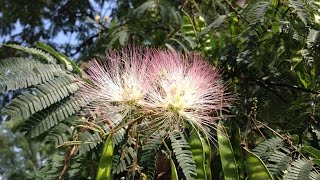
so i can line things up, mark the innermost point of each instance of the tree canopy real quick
(267, 52)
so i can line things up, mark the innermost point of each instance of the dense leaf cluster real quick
(268, 51)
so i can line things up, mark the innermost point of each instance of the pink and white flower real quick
(118, 83)
(172, 89)
(185, 91)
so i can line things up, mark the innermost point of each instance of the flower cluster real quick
(173, 90)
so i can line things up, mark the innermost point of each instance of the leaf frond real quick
(45, 56)
(181, 150)
(18, 73)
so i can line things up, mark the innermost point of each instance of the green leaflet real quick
(105, 165)
(256, 169)
(311, 150)
(301, 169)
(227, 157)
(201, 155)
(314, 152)
(183, 154)
(40, 97)
(235, 140)
(19, 73)
(45, 56)
(207, 155)
(257, 11)
(67, 62)
(148, 156)
(302, 11)
(317, 161)
(174, 173)
(195, 32)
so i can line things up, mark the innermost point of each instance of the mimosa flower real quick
(185, 91)
(172, 90)
(118, 82)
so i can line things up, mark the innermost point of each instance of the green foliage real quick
(28, 22)
(37, 52)
(256, 169)
(104, 171)
(302, 11)
(47, 103)
(19, 73)
(122, 164)
(311, 150)
(183, 155)
(57, 163)
(201, 152)
(40, 97)
(44, 120)
(67, 62)
(279, 162)
(88, 141)
(284, 162)
(301, 169)
(227, 156)
(268, 51)
(18, 156)
(149, 154)
(60, 133)
(174, 173)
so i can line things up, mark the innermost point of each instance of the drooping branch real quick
(295, 87)
(268, 88)
(85, 43)
(289, 86)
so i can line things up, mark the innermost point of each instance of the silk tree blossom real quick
(170, 89)
(118, 83)
(185, 91)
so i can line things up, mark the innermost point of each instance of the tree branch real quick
(265, 86)
(85, 43)
(295, 87)
(274, 84)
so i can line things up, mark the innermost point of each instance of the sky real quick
(61, 38)
(70, 38)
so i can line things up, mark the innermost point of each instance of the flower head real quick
(118, 82)
(173, 90)
(185, 91)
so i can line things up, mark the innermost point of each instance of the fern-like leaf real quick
(89, 141)
(123, 160)
(312, 38)
(300, 170)
(266, 146)
(181, 150)
(118, 136)
(58, 134)
(302, 11)
(45, 56)
(255, 12)
(54, 167)
(61, 132)
(17, 62)
(278, 164)
(314, 175)
(50, 117)
(17, 73)
(68, 63)
(40, 97)
(149, 153)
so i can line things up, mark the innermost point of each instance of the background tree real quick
(268, 51)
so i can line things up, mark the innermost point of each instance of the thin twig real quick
(67, 160)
